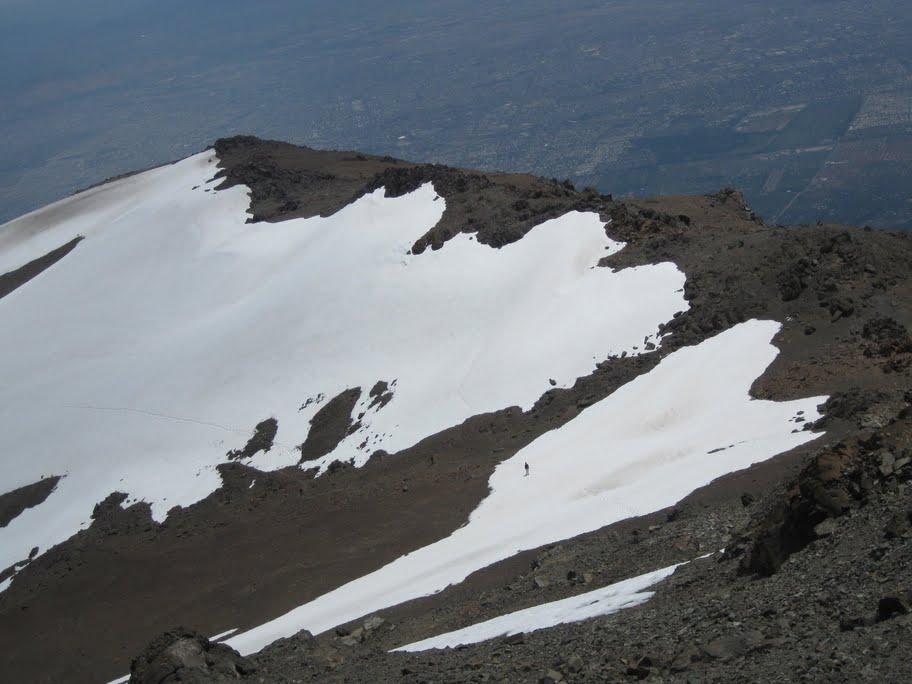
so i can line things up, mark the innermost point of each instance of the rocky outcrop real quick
(17, 278)
(14, 502)
(263, 435)
(330, 425)
(182, 655)
(838, 479)
(288, 181)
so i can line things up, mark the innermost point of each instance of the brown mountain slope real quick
(242, 556)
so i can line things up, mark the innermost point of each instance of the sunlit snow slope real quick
(644, 447)
(138, 360)
(603, 601)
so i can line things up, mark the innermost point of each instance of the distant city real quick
(806, 107)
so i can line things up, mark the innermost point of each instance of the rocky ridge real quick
(798, 592)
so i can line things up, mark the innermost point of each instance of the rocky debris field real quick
(836, 608)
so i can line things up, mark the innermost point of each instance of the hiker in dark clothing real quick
(527, 470)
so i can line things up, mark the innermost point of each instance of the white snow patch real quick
(641, 449)
(222, 635)
(604, 601)
(137, 361)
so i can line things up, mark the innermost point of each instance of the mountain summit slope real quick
(274, 389)
(160, 366)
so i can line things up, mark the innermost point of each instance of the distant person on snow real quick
(527, 470)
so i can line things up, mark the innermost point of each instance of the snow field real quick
(140, 359)
(603, 601)
(642, 448)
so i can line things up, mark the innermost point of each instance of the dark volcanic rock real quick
(330, 425)
(14, 502)
(109, 517)
(287, 181)
(849, 405)
(887, 337)
(792, 279)
(485, 204)
(14, 279)
(263, 434)
(380, 394)
(838, 480)
(182, 655)
(822, 492)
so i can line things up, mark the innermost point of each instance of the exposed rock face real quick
(14, 502)
(888, 339)
(380, 394)
(287, 181)
(263, 434)
(182, 655)
(330, 425)
(838, 479)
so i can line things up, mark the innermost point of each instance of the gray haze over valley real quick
(807, 107)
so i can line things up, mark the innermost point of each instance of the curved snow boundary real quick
(604, 601)
(648, 445)
(137, 362)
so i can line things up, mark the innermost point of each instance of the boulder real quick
(183, 655)
(373, 622)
